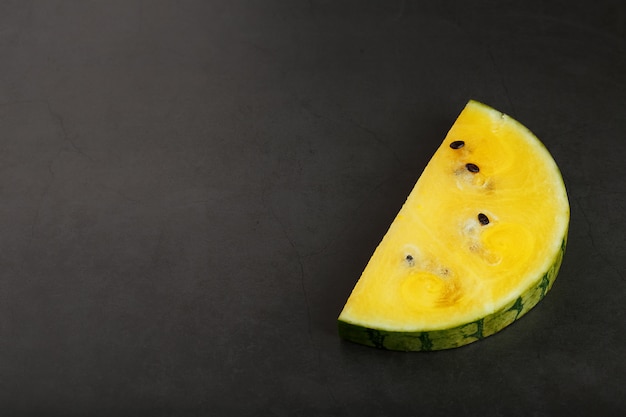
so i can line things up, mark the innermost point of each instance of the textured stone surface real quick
(189, 191)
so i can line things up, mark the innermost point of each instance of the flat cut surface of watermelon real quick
(478, 242)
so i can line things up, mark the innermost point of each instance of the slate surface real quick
(190, 189)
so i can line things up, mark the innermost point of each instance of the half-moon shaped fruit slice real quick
(477, 244)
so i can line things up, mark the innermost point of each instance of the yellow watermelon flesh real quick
(478, 242)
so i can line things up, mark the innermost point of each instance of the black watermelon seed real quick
(409, 258)
(483, 219)
(457, 144)
(472, 168)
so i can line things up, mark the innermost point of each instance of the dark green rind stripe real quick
(461, 335)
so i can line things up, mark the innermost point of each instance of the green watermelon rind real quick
(463, 334)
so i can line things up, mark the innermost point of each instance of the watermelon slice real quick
(477, 244)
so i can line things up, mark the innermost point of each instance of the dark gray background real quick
(190, 189)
